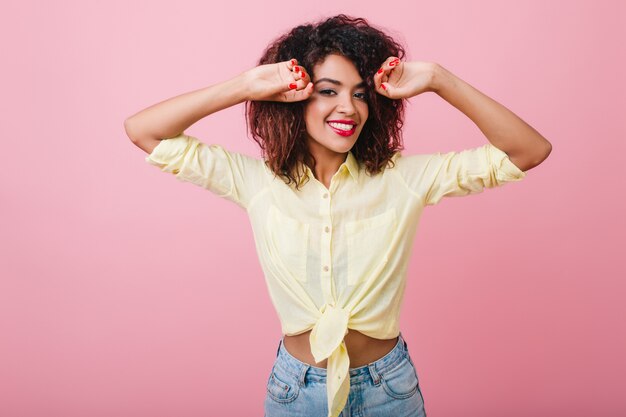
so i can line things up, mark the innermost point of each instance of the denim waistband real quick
(305, 372)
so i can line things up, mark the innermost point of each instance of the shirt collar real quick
(350, 164)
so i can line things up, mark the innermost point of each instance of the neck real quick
(327, 164)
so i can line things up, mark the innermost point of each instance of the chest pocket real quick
(368, 245)
(288, 243)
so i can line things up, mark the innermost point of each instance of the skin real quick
(332, 101)
(341, 99)
(525, 147)
(288, 82)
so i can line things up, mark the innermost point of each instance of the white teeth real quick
(341, 126)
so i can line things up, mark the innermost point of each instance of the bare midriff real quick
(362, 349)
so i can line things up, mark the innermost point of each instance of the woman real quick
(333, 203)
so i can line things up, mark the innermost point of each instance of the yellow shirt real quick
(335, 259)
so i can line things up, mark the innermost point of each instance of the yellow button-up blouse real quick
(335, 258)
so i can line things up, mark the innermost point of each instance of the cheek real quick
(314, 113)
(365, 112)
(363, 107)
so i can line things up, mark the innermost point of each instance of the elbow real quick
(128, 129)
(546, 152)
(530, 160)
(540, 156)
(133, 133)
(548, 149)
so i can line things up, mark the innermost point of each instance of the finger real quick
(391, 60)
(388, 90)
(305, 93)
(298, 95)
(300, 73)
(389, 65)
(384, 89)
(291, 63)
(297, 85)
(394, 62)
(381, 76)
(393, 92)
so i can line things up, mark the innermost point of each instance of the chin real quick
(342, 149)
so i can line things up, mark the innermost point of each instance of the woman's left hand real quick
(396, 79)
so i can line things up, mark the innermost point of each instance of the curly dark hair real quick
(279, 127)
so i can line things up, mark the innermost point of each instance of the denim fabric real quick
(388, 386)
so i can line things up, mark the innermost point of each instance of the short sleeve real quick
(438, 175)
(229, 175)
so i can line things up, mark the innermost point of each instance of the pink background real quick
(124, 292)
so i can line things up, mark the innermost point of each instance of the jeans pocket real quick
(400, 382)
(282, 387)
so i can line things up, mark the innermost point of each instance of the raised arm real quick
(524, 146)
(171, 117)
(283, 81)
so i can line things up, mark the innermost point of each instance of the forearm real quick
(171, 117)
(506, 131)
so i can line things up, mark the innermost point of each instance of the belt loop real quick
(374, 374)
(301, 378)
(403, 342)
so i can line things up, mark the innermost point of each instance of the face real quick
(337, 110)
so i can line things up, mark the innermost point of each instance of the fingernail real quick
(293, 62)
(296, 68)
(292, 86)
(383, 86)
(380, 70)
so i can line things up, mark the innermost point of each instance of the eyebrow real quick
(330, 80)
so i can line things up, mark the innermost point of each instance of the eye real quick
(361, 96)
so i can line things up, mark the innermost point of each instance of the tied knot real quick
(328, 332)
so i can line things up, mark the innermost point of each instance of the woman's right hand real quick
(283, 81)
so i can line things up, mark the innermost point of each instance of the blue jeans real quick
(387, 387)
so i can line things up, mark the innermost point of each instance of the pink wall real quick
(126, 293)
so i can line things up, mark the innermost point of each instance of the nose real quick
(346, 105)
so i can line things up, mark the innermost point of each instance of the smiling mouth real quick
(342, 129)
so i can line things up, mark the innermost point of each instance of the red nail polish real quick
(380, 70)
(292, 86)
(293, 62)
(383, 86)
(296, 68)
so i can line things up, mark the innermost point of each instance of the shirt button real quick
(325, 268)
(325, 195)
(327, 229)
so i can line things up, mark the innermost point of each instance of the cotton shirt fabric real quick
(335, 258)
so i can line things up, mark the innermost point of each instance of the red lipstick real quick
(341, 132)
